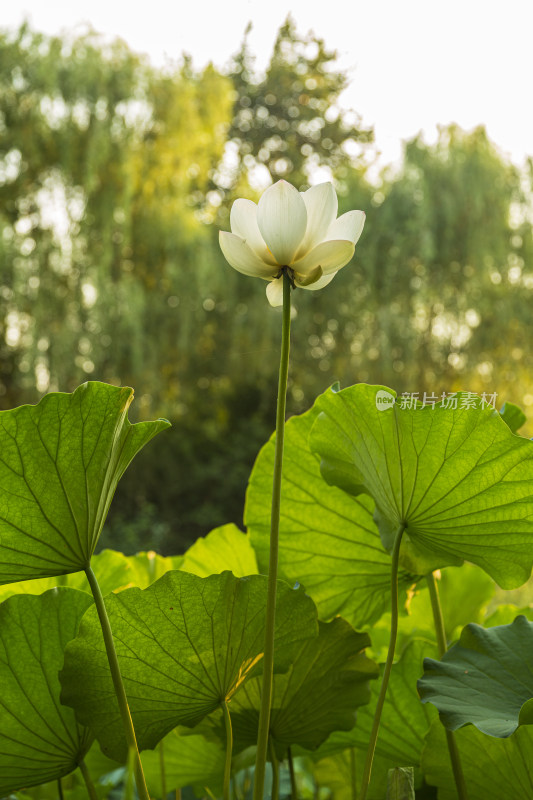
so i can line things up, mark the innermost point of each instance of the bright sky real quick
(414, 63)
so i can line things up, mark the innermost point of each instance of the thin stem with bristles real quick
(268, 659)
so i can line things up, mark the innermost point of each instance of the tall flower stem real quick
(440, 632)
(388, 663)
(118, 684)
(268, 660)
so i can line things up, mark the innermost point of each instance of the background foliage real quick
(115, 177)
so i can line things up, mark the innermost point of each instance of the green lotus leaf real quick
(494, 769)
(328, 541)
(71, 789)
(60, 464)
(484, 680)
(328, 681)
(114, 571)
(464, 593)
(185, 645)
(459, 480)
(188, 761)
(513, 416)
(224, 548)
(147, 567)
(404, 721)
(404, 725)
(40, 740)
(339, 772)
(506, 614)
(99, 764)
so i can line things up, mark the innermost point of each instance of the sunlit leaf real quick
(458, 479)
(60, 464)
(223, 548)
(464, 592)
(40, 739)
(337, 773)
(484, 680)
(506, 614)
(185, 644)
(328, 540)
(113, 570)
(149, 567)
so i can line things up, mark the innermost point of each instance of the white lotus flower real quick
(293, 229)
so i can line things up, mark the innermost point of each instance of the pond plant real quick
(377, 527)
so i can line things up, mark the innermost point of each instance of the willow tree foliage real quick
(289, 121)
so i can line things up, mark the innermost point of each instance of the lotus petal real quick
(330, 256)
(282, 220)
(242, 258)
(321, 204)
(243, 222)
(274, 292)
(348, 226)
(320, 283)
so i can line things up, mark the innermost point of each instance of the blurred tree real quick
(433, 301)
(103, 167)
(289, 122)
(65, 137)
